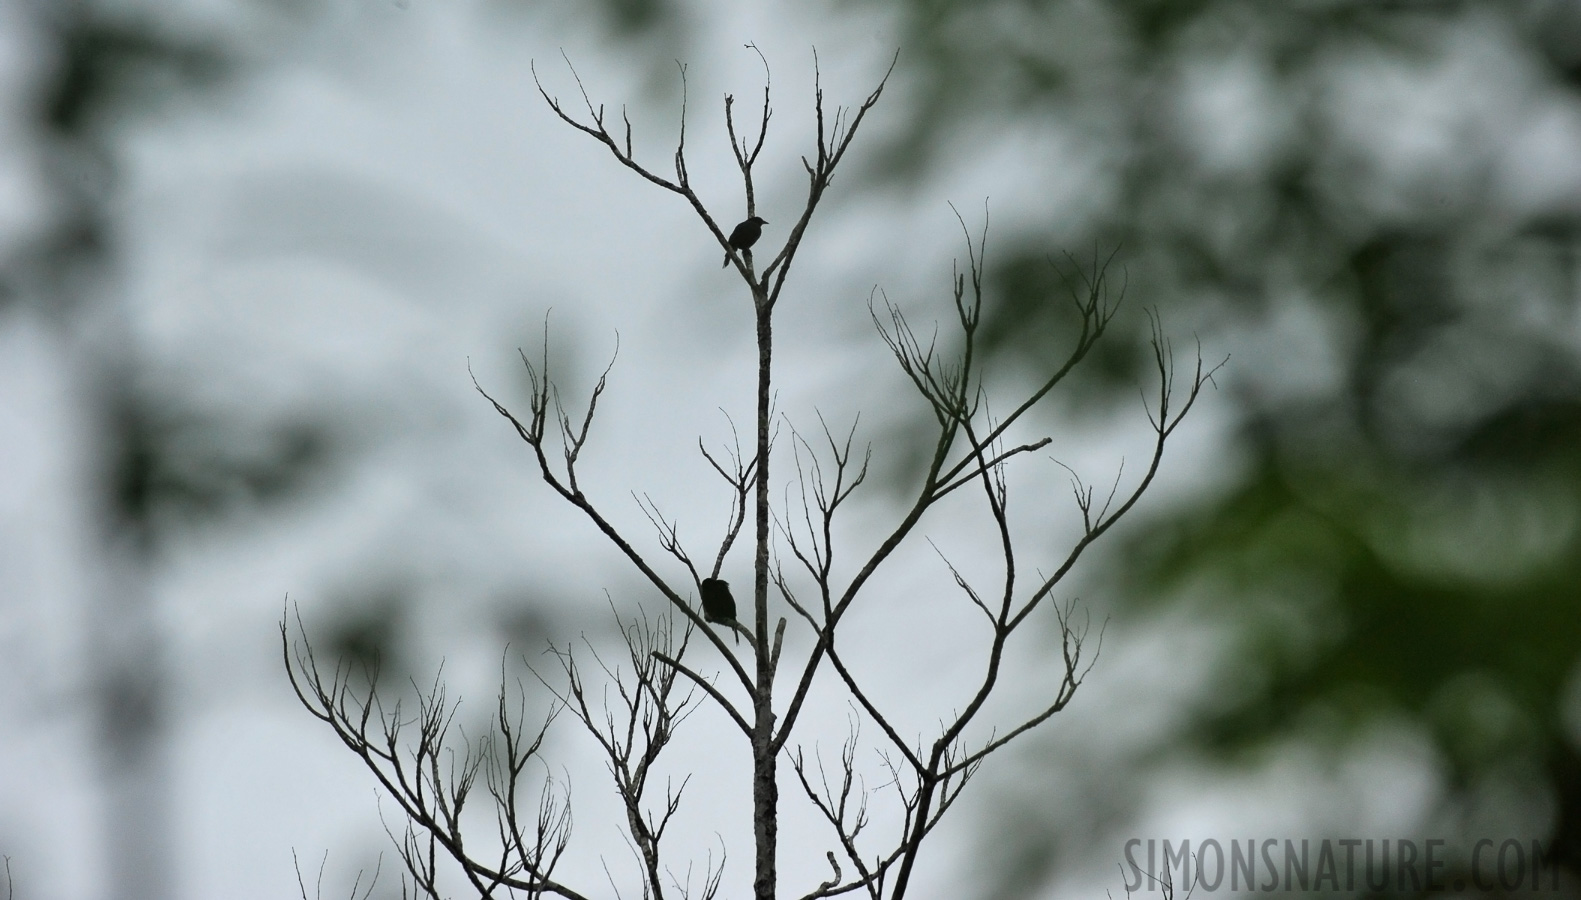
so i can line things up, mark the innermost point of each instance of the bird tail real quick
(727, 260)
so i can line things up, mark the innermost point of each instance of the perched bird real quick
(718, 605)
(743, 237)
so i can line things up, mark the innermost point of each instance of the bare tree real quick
(430, 775)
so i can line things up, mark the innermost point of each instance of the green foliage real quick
(1403, 538)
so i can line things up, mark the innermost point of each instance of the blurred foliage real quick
(655, 32)
(161, 466)
(1346, 197)
(366, 632)
(165, 462)
(175, 469)
(105, 66)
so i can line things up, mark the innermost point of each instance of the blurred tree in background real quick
(1376, 208)
(159, 466)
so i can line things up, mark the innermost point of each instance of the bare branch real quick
(970, 475)
(960, 582)
(598, 132)
(708, 688)
(634, 732)
(830, 150)
(403, 753)
(1071, 642)
(534, 437)
(741, 479)
(1164, 424)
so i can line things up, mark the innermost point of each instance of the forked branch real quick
(430, 775)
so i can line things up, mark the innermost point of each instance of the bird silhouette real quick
(718, 605)
(743, 237)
